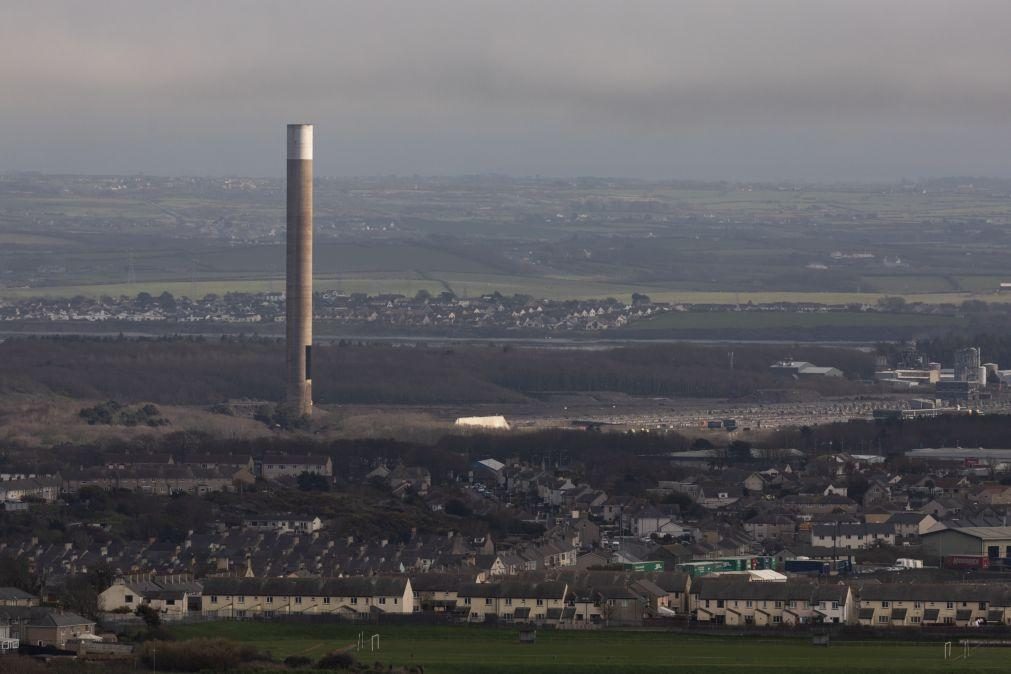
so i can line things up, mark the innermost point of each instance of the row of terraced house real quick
(594, 599)
(733, 601)
(571, 600)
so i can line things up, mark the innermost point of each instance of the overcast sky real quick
(736, 89)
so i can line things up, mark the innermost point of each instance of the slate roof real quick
(731, 587)
(955, 592)
(14, 594)
(295, 459)
(438, 582)
(514, 589)
(844, 529)
(371, 586)
(984, 533)
(44, 617)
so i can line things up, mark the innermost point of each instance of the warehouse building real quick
(992, 542)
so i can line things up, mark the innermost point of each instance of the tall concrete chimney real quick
(298, 289)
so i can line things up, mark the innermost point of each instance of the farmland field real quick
(464, 284)
(444, 650)
(62, 236)
(982, 284)
(912, 283)
(781, 319)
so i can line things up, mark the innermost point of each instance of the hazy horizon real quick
(791, 90)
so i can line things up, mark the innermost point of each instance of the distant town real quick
(488, 312)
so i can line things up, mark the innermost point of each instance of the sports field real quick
(475, 649)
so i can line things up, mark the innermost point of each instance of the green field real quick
(758, 320)
(983, 284)
(911, 283)
(558, 239)
(473, 285)
(442, 650)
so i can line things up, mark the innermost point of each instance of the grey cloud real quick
(575, 86)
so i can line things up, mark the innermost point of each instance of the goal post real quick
(375, 642)
(947, 650)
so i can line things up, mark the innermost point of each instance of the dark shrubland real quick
(198, 655)
(195, 371)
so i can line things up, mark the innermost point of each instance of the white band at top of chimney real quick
(300, 141)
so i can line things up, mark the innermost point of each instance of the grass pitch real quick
(445, 650)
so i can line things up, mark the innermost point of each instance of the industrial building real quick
(991, 542)
(800, 368)
(967, 366)
(957, 392)
(908, 378)
(998, 459)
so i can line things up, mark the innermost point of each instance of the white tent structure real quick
(496, 423)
